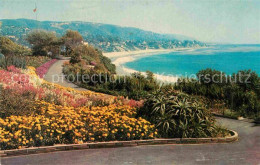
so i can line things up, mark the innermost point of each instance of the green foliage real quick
(17, 55)
(43, 42)
(134, 86)
(177, 115)
(36, 61)
(92, 57)
(71, 40)
(8, 48)
(209, 76)
(17, 61)
(75, 57)
(23, 61)
(107, 63)
(13, 54)
(240, 91)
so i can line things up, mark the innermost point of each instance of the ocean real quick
(226, 58)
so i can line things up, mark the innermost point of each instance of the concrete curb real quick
(113, 144)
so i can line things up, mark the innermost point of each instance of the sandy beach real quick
(137, 52)
(120, 58)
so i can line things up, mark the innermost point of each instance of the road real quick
(243, 152)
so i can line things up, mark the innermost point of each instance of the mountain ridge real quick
(109, 38)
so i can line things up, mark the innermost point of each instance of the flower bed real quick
(62, 115)
(27, 83)
(52, 124)
(43, 69)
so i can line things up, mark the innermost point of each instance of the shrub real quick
(15, 60)
(135, 86)
(240, 92)
(36, 61)
(91, 56)
(178, 115)
(23, 61)
(10, 48)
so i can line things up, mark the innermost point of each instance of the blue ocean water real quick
(225, 58)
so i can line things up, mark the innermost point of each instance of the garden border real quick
(113, 144)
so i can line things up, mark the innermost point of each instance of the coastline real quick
(120, 58)
(137, 52)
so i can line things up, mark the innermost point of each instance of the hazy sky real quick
(224, 21)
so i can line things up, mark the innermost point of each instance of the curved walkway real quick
(245, 151)
(55, 75)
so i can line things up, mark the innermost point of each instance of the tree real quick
(247, 80)
(43, 42)
(71, 40)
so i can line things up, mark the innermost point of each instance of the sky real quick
(216, 21)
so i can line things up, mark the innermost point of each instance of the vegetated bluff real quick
(109, 38)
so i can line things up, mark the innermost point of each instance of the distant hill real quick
(107, 37)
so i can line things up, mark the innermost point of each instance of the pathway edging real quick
(113, 144)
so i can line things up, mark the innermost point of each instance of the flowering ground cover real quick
(43, 69)
(35, 113)
(52, 124)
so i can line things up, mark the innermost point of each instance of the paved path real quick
(55, 75)
(243, 152)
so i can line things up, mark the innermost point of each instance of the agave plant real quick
(178, 115)
(166, 124)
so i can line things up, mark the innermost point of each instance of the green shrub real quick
(9, 48)
(177, 115)
(240, 92)
(17, 61)
(23, 61)
(36, 61)
(1, 56)
(135, 86)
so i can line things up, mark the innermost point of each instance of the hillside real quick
(109, 38)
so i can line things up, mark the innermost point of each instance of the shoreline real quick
(138, 52)
(120, 58)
